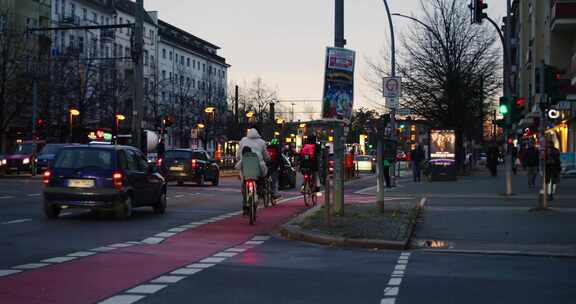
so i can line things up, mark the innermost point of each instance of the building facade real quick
(544, 32)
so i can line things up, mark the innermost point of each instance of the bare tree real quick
(444, 61)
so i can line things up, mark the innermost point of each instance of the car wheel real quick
(200, 181)
(216, 180)
(123, 209)
(160, 206)
(51, 210)
(180, 183)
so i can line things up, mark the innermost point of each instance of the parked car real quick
(2, 164)
(365, 163)
(185, 165)
(115, 178)
(569, 172)
(46, 156)
(287, 177)
(23, 157)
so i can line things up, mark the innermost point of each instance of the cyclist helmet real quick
(274, 141)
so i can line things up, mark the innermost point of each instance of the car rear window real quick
(51, 149)
(184, 154)
(84, 158)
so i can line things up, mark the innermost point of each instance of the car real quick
(23, 157)
(111, 178)
(402, 156)
(365, 163)
(2, 163)
(569, 171)
(287, 177)
(46, 156)
(186, 165)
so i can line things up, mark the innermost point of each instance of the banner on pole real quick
(338, 97)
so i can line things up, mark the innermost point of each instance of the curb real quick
(500, 252)
(292, 231)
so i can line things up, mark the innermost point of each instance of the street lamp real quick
(73, 112)
(280, 120)
(249, 114)
(200, 126)
(119, 117)
(209, 110)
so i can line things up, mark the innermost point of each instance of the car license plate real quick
(80, 183)
(175, 168)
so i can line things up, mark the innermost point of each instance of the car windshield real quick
(51, 149)
(24, 149)
(84, 158)
(184, 154)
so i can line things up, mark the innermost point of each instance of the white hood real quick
(253, 134)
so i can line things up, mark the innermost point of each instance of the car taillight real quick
(194, 164)
(46, 177)
(159, 162)
(117, 179)
(306, 177)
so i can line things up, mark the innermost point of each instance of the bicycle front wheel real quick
(307, 195)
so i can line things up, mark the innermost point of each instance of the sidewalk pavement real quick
(472, 215)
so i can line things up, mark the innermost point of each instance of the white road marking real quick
(398, 272)
(400, 267)
(16, 221)
(153, 240)
(402, 261)
(121, 245)
(212, 260)
(395, 282)
(261, 238)
(146, 288)
(405, 254)
(7, 272)
(103, 249)
(388, 301)
(35, 194)
(225, 254)
(178, 196)
(423, 202)
(391, 291)
(200, 265)
(59, 259)
(82, 254)
(176, 230)
(65, 213)
(31, 266)
(165, 234)
(403, 257)
(186, 227)
(167, 279)
(254, 242)
(236, 249)
(122, 299)
(6, 197)
(186, 271)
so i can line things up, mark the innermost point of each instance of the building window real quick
(194, 64)
(164, 96)
(188, 62)
(194, 83)
(170, 55)
(145, 84)
(72, 38)
(182, 60)
(121, 22)
(107, 20)
(204, 68)
(127, 51)
(152, 62)
(94, 17)
(163, 75)
(152, 36)
(101, 20)
(84, 14)
(145, 57)
(121, 51)
(72, 9)
(170, 74)
(81, 44)
(163, 53)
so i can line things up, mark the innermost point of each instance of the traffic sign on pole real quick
(392, 87)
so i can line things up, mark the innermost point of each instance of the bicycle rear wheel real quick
(307, 196)
(252, 205)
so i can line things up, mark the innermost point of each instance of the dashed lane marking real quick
(123, 299)
(186, 271)
(147, 288)
(7, 272)
(34, 195)
(6, 197)
(168, 279)
(16, 221)
(30, 266)
(200, 265)
(393, 288)
(59, 259)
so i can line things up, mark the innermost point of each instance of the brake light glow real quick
(46, 177)
(117, 179)
(159, 162)
(194, 164)
(250, 185)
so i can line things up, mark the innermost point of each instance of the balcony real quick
(563, 16)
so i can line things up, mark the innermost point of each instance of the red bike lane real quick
(92, 279)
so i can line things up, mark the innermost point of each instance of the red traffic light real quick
(510, 141)
(40, 121)
(558, 76)
(521, 102)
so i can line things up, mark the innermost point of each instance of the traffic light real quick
(518, 108)
(477, 7)
(552, 84)
(168, 121)
(504, 107)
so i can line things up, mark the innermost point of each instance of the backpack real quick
(307, 152)
(273, 152)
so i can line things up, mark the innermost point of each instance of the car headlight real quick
(3, 162)
(26, 161)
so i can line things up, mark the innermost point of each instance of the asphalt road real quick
(213, 256)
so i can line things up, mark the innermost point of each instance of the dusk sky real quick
(284, 42)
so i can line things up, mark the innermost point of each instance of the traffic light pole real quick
(543, 201)
(340, 42)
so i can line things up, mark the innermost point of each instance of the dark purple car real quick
(108, 177)
(23, 157)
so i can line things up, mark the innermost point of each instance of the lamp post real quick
(72, 112)
(211, 111)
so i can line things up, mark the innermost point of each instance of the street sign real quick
(392, 86)
(392, 103)
(403, 112)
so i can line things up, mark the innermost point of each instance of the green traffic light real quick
(402, 126)
(503, 109)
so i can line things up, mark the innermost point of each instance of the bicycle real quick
(309, 191)
(267, 194)
(250, 172)
(250, 199)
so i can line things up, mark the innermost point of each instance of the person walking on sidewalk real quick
(553, 169)
(417, 158)
(493, 159)
(531, 163)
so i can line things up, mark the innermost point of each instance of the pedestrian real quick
(531, 163)
(417, 157)
(160, 149)
(387, 173)
(275, 164)
(492, 160)
(553, 169)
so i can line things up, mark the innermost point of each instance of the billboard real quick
(338, 97)
(442, 144)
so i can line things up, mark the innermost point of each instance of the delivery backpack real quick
(273, 152)
(307, 152)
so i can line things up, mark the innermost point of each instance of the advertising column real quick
(442, 155)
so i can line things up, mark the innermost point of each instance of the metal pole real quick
(138, 76)
(34, 109)
(339, 41)
(392, 110)
(543, 202)
(508, 94)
